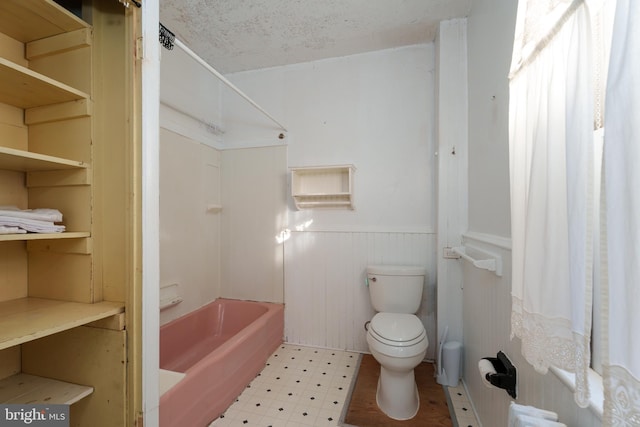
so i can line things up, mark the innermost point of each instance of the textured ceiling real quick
(238, 35)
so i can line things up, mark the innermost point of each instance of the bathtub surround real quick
(223, 192)
(253, 213)
(189, 249)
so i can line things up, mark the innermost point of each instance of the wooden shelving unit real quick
(66, 143)
(323, 186)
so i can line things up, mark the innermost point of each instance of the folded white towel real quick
(516, 409)
(529, 421)
(31, 225)
(42, 214)
(11, 230)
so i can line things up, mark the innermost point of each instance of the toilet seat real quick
(397, 335)
(397, 329)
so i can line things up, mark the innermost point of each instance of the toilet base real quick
(397, 394)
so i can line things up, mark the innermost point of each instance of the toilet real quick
(396, 337)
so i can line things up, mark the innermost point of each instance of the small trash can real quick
(451, 353)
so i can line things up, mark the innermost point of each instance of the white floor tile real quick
(299, 386)
(462, 408)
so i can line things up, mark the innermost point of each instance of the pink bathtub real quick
(220, 347)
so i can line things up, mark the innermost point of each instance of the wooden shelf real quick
(24, 388)
(27, 319)
(25, 161)
(44, 236)
(25, 88)
(28, 20)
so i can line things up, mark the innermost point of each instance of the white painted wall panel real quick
(326, 298)
(253, 214)
(487, 320)
(189, 236)
(452, 112)
(490, 28)
(374, 110)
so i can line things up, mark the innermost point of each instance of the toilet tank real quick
(395, 288)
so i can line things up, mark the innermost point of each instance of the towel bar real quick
(487, 261)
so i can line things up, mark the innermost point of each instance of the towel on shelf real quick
(41, 214)
(31, 225)
(529, 421)
(11, 230)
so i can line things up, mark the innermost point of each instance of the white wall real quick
(253, 215)
(189, 235)
(326, 294)
(451, 110)
(376, 111)
(487, 298)
(490, 30)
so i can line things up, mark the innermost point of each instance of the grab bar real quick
(489, 260)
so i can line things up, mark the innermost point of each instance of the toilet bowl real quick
(398, 341)
(396, 337)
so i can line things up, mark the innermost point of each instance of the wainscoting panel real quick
(487, 330)
(326, 296)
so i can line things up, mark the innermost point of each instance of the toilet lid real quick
(399, 328)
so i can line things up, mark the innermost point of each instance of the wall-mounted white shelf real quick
(480, 258)
(323, 186)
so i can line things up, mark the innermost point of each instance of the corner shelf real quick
(323, 186)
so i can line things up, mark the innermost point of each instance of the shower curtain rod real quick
(213, 71)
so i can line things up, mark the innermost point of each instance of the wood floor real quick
(364, 412)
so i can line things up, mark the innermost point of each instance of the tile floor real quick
(299, 386)
(464, 415)
(307, 386)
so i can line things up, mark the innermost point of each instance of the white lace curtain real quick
(557, 85)
(551, 171)
(621, 364)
